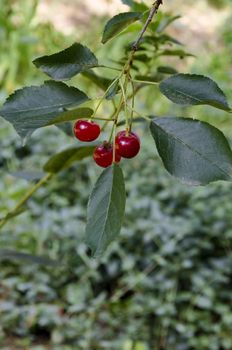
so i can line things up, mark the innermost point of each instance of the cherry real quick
(86, 130)
(127, 144)
(103, 155)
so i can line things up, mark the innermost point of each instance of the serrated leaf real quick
(192, 89)
(66, 158)
(105, 210)
(7, 254)
(34, 107)
(72, 114)
(117, 23)
(67, 63)
(194, 151)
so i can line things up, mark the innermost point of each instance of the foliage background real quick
(166, 284)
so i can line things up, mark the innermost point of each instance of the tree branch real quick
(153, 11)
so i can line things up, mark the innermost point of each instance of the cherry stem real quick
(106, 119)
(145, 82)
(103, 97)
(125, 104)
(132, 104)
(111, 134)
(141, 115)
(112, 68)
(114, 145)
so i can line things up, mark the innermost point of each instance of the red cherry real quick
(103, 155)
(86, 130)
(127, 144)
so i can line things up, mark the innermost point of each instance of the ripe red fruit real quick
(127, 144)
(103, 155)
(87, 131)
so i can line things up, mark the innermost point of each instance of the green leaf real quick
(194, 151)
(166, 21)
(166, 70)
(105, 210)
(119, 22)
(191, 89)
(161, 39)
(34, 107)
(67, 128)
(70, 115)
(7, 254)
(66, 158)
(156, 78)
(179, 53)
(115, 88)
(101, 82)
(67, 63)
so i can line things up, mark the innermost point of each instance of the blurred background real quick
(166, 283)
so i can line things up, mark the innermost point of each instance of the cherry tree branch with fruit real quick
(193, 151)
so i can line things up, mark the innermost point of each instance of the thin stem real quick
(103, 97)
(145, 82)
(106, 119)
(114, 146)
(132, 104)
(111, 134)
(152, 13)
(142, 116)
(111, 116)
(112, 68)
(125, 104)
(24, 200)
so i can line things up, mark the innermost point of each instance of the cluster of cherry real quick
(127, 143)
